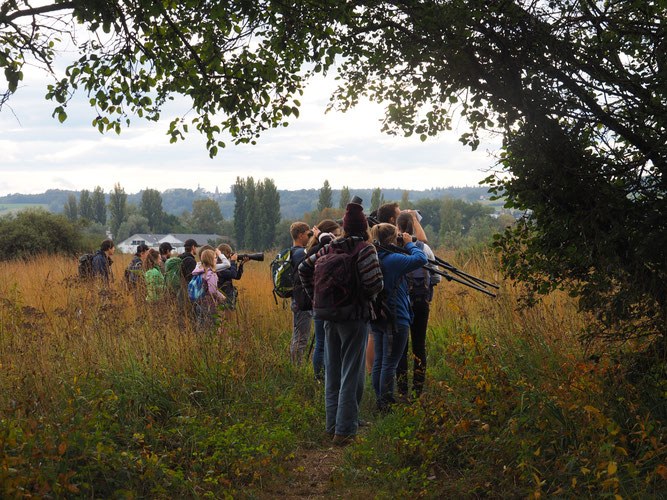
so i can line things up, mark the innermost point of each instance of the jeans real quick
(390, 341)
(318, 352)
(418, 337)
(300, 333)
(344, 353)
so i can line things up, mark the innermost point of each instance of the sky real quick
(37, 152)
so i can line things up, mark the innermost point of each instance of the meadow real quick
(102, 396)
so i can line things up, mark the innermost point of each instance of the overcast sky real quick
(39, 153)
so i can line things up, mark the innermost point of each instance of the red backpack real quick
(337, 292)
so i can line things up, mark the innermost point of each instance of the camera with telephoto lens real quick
(400, 239)
(252, 256)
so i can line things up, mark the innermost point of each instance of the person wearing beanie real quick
(347, 324)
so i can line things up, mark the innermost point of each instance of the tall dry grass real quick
(53, 327)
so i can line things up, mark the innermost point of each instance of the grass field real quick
(102, 396)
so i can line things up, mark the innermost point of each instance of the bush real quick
(33, 231)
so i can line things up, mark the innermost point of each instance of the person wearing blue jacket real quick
(102, 261)
(392, 327)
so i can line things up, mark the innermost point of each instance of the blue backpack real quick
(196, 288)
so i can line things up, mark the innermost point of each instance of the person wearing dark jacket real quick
(102, 261)
(346, 335)
(391, 331)
(188, 261)
(135, 271)
(227, 275)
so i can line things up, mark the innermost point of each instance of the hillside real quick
(293, 204)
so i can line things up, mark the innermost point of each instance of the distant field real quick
(6, 208)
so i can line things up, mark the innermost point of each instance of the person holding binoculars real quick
(394, 313)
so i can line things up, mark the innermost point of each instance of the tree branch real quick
(36, 11)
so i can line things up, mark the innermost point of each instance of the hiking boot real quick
(340, 440)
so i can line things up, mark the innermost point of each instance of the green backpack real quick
(172, 274)
(281, 272)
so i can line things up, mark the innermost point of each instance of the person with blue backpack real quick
(343, 278)
(392, 327)
(420, 289)
(203, 289)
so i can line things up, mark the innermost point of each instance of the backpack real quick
(197, 287)
(134, 271)
(172, 274)
(86, 265)
(281, 272)
(337, 286)
(419, 281)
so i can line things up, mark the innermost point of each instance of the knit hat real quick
(354, 221)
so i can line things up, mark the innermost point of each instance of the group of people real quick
(366, 301)
(156, 275)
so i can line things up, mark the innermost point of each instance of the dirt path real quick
(312, 473)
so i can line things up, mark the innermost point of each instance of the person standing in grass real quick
(153, 275)
(324, 233)
(207, 306)
(301, 319)
(420, 288)
(232, 271)
(101, 265)
(391, 330)
(343, 300)
(135, 270)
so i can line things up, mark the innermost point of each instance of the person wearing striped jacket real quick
(346, 336)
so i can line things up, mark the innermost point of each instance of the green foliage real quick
(151, 208)
(269, 214)
(206, 217)
(344, 197)
(134, 224)
(325, 200)
(526, 424)
(117, 208)
(99, 205)
(86, 210)
(377, 199)
(31, 232)
(239, 209)
(252, 206)
(70, 209)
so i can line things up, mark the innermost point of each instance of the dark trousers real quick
(420, 309)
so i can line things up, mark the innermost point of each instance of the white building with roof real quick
(177, 241)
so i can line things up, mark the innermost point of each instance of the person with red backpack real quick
(420, 289)
(392, 327)
(343, 278)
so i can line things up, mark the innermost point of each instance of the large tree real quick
(252, 230)
(239, 209)
(344, 198)
(206, 216)
(117, 208)
(99, 205)
(151, 208)
(70, 209)
(325, 200)
(86, 205)
(270, 213)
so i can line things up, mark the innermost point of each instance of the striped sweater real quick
(368, 267)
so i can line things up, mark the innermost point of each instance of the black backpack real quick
(86, 265)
